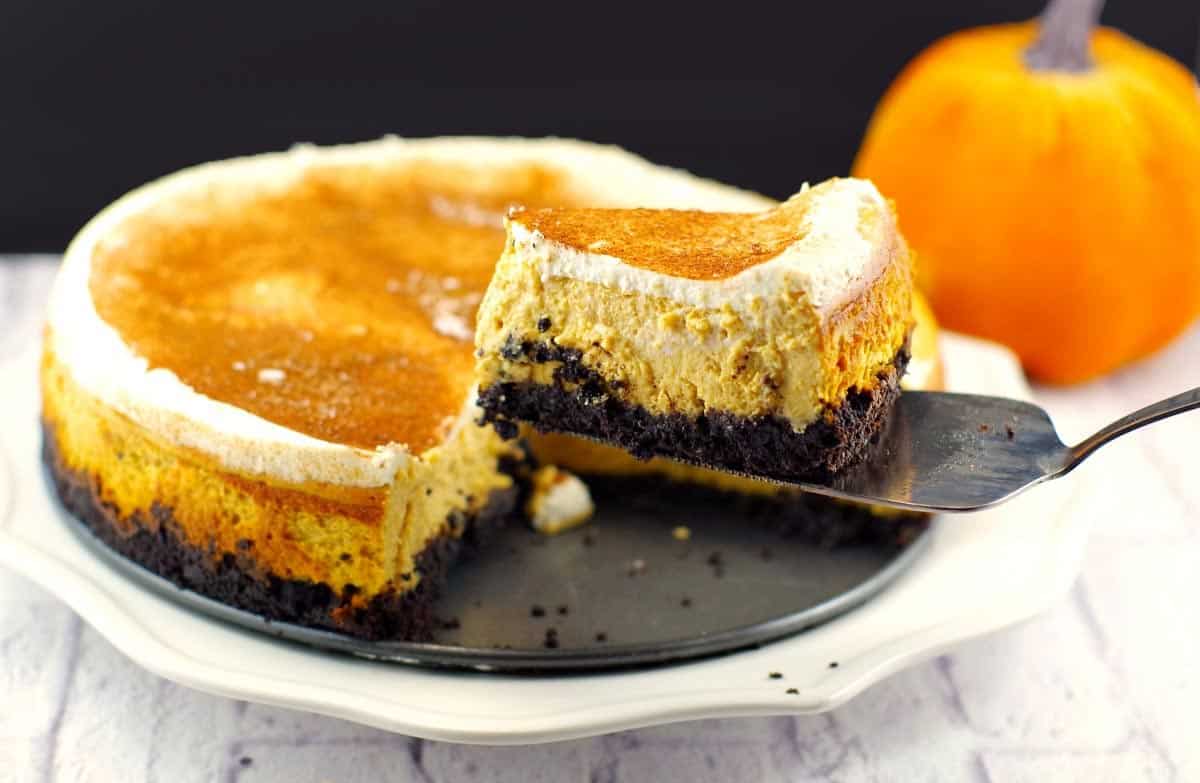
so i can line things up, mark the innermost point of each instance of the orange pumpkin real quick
(1054, 207)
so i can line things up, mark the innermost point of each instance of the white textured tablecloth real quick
(1106, 686)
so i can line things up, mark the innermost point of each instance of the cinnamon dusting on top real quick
(340, 306)
(680, 243)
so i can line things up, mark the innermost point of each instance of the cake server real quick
(963, 452)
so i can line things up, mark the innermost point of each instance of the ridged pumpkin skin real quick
(1058, 213)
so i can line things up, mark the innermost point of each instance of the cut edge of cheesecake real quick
(257, 514)
(606, 465)
(770, 344)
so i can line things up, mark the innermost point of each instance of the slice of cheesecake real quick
(770, 344)
(258, 375)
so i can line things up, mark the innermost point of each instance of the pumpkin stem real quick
(1063, 42)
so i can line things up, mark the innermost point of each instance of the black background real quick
(99, 97)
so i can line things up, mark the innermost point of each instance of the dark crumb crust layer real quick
(582, 402)
(799, 516)
(158, 544)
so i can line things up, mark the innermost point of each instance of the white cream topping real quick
(105, 367)
(831, 263)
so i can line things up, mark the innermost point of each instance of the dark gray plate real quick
(653, 598)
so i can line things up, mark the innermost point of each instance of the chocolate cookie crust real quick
(582, 402)
(158, 544)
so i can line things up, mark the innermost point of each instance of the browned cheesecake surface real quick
(341, 307)
(681, 243)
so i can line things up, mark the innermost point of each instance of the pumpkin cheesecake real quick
(770, 343)
(258, 374)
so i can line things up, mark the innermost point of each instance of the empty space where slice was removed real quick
(770, 343)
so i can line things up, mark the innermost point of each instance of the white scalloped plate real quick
(980, 573)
